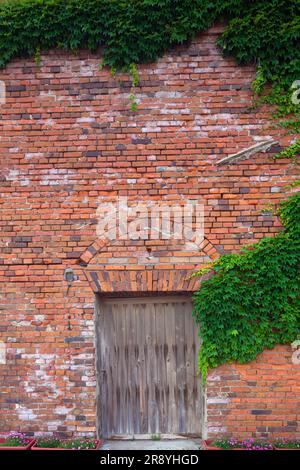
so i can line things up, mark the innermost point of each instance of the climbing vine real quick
(136, 31)
(265, 32)
(252, 300)
(290, 152)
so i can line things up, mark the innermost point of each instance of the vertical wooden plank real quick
(180, 313)
(141, 370)
(161, 366)
(190, 368)
(101, 397)
(113, 358)
(190, 363)
(118, 379)
(171, 369)
(148, 385)
(131, 368)
(149, 315)
(104, 372)
(123, 383)
(127, 370)
(135, 364)
(155, 368)
(198, 383)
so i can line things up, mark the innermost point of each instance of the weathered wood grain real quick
(147, 367)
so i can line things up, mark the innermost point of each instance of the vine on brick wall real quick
(266, 32)
(252, 300)
(291, 152)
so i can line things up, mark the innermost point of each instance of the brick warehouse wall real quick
(68, 138)
(260, 398)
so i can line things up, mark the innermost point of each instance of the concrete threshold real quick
(140, 443)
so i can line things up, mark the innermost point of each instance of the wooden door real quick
(147, 351)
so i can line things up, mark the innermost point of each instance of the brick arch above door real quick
(161, 278)
(142, 281)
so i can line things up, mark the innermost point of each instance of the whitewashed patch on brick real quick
(2, 352)
(2, 92)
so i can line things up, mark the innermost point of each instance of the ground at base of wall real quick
(174, 444)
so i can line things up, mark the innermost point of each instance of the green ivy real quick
(136, 31)
(286, 113)
(56, 443)
(265, 32)
(268, 33)
(252, 300)
(290, 152)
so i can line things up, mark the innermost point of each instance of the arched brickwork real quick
(140, 279)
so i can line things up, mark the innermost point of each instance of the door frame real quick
(149, 297)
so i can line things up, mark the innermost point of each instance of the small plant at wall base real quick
(284, 443)
(71, 444)
(15, 439)
(156, 437)
(233, 444)
(252, 300)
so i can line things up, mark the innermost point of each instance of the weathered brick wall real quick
(68, 138)
(260, 399)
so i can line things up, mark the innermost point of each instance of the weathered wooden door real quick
(147, 367)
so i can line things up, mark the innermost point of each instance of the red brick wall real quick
(257, 399)
(68, 138)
